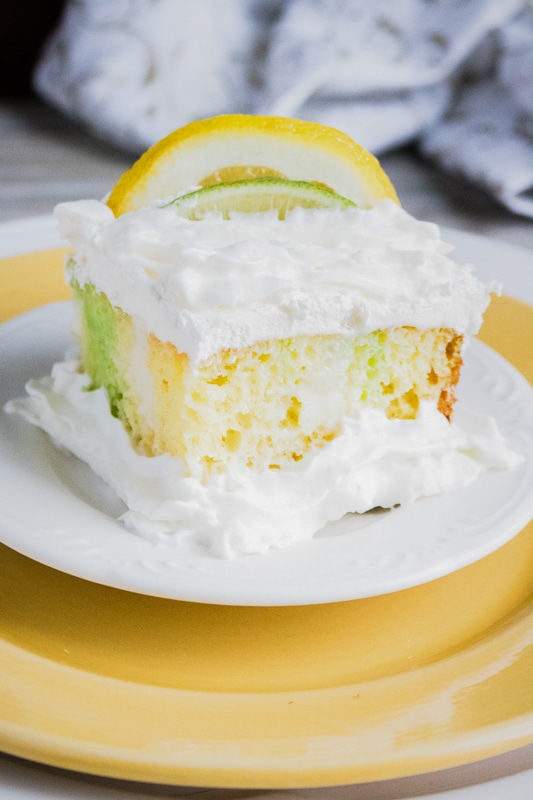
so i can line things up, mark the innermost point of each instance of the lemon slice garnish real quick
(237, 147)
(254, 196)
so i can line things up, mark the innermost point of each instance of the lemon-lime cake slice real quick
(267, 340)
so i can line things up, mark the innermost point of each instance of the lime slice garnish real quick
(255, 196)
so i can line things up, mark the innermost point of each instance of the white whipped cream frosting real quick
(373, 462)
(212, 284)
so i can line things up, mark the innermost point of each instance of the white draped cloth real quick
(455, 77)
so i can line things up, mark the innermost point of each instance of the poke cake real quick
(266, 340)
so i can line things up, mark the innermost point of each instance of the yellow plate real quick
(103, 681)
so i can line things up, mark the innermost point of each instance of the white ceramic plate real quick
(55, 510)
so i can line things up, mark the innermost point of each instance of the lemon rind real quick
(305, 150)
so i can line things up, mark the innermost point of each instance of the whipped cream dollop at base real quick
(211, 284)
(374, 462)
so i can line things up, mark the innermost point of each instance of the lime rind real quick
(255, 196)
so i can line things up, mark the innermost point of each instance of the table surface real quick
(46, 159)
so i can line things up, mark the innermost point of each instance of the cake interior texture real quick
(263, 406)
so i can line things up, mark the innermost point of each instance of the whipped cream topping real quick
(213, 284)
(373, 462)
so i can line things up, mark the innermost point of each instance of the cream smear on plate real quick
(373, 462)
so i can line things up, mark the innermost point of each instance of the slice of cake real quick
(269, 402)
(271, 353)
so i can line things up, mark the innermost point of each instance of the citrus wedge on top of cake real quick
(267, 340)
(236, 147)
